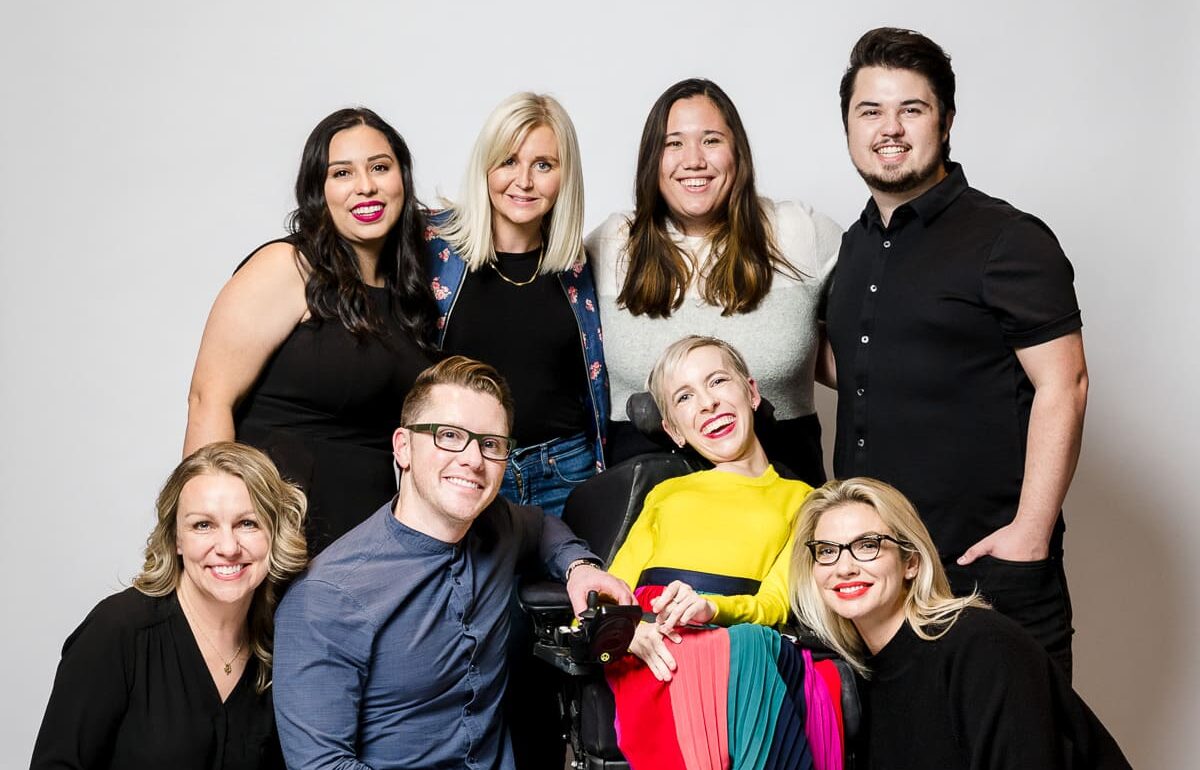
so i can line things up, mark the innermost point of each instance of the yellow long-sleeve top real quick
(720, 523)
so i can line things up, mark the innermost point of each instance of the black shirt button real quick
(864, 339)
(874, 288)
(887, 244)
(860, 391)
(862, 442)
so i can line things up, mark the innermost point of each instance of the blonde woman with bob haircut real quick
(176, 670)
(514, 289)
(952, 683)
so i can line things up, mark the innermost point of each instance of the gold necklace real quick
(236, 653)
(536, 270)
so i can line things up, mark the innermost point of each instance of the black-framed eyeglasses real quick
(455, 439)
(865, 548)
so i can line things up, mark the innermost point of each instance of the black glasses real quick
(455, 439)
(865, 548)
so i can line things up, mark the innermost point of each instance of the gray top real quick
(778, 338)
(390, 650)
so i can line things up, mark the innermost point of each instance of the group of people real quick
(337, 582)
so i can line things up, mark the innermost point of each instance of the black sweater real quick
(984, 696)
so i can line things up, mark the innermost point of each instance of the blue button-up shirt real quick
(390, 650)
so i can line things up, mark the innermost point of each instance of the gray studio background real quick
(145, 148)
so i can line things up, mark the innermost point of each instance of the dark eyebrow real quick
(908, 102)
(705, 131)
(370, 159)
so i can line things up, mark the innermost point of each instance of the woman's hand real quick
(680, 605)
(648, 645)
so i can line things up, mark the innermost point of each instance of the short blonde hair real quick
(469, 226)
(674, 355)
(929, 606)
(280, 507)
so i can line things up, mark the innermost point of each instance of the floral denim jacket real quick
(448, 270)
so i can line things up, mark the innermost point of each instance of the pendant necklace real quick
(228, 664)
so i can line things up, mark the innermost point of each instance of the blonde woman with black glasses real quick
(951, 683)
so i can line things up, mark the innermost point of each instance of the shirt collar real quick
(928, 205)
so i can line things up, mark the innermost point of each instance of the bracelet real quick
(577, 563)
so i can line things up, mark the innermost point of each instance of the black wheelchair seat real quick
(601, 511)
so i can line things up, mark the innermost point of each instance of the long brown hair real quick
(744, 254)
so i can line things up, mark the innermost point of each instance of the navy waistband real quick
(702, 582)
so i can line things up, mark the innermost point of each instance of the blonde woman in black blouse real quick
(951, 683)
(175, 672)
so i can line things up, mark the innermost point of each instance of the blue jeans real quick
(544, 474)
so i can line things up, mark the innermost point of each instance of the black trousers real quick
(1032, 593)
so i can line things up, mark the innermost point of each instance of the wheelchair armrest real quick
(544, 596)
(602, 634)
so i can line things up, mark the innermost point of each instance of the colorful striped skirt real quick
(740, 697)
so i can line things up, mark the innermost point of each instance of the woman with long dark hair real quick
(703, 254)
(313, 343)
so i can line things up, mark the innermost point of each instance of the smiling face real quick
(442, 492)
(869, 594)
(220, 540)
(524, 187)
(696, 171)
(364, 189)
(893, 132)
(711, 407)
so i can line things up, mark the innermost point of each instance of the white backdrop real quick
(145, 147)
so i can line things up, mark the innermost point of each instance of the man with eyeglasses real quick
(390, 650)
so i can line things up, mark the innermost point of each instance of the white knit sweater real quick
(778, 338)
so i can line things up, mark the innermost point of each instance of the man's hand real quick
(1012, 542)
(588, 577)
(679, 605)
(648, 645)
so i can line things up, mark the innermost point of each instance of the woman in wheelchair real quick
(952, 683)
(712, 549)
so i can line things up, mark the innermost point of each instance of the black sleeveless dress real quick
(324, 409)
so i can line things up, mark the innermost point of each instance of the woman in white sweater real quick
(703, 254)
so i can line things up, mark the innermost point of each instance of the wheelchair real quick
(601, 511)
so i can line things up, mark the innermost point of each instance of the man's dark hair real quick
(903, 49)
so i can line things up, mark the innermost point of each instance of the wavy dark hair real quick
(335, 287)
(903, 49)
(744, 253)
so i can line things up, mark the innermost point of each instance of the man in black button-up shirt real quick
(955, 340)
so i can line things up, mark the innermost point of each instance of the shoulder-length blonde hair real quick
(469, 226)
(929, 606)
(280, 508)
